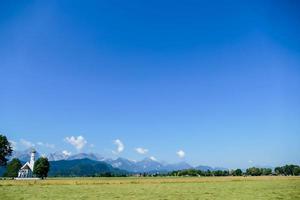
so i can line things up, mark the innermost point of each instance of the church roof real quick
(27, 165)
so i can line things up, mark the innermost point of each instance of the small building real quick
(26, 170)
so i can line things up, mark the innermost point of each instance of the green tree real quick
(208, 173)
(254, 171)
(225, 173)
(289, 170)
(12, 168)
(279, 170)
(5, 150)
(237, 172)
(41, 168)
(218, 173)
(266, 171)
(296, 171)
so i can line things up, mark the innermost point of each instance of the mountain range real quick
(145, 165)
(63, 156)
(149, 165)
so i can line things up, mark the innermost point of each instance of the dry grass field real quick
(154, 188)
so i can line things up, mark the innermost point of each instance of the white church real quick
(26, 170)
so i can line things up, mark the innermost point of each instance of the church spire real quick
(32, 158)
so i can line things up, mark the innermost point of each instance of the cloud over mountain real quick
(78, 142)
(180, 154)
(26, 143)
(66, 153)
(120, 146)
(141, 150)
(47, 145)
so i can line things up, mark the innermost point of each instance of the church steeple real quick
(32, 158)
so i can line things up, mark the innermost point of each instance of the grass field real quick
(154, 188)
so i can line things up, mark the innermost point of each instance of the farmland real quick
(154, 188)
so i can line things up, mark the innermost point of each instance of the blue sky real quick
(219, 81)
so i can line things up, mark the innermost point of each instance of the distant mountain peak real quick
(58, 156)
(91, 156)
(63, 156)
(148, 164)
(149, 159)
(24, 155)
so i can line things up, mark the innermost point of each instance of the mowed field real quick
(154, 188)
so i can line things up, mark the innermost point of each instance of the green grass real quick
(154, 188)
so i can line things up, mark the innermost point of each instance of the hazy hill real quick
(177, 166)
(82, 167)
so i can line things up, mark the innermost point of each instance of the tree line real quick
(287, 170)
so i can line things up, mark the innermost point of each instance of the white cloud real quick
(153, 158)
(180, 154)
(51, 146)
(13, 144)
(92, 145)
(250, 161)
(120, 146)
(141, 150)
(26, 143)
(78, 142)
(66, 153)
